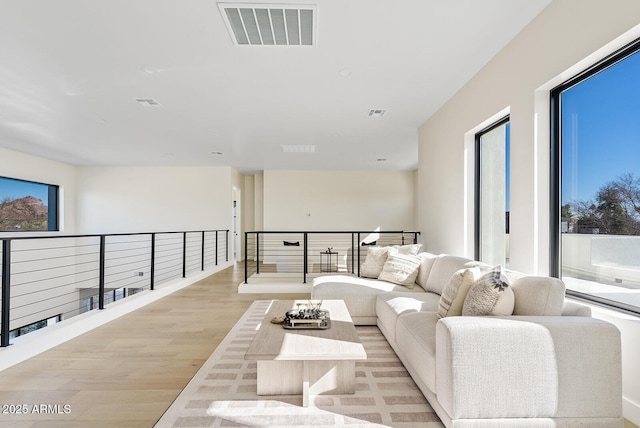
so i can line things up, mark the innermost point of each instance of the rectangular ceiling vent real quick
(269, 24)
(377, 113)
(298, 148)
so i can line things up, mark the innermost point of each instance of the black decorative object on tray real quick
(308, 317)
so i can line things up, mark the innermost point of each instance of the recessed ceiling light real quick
(344, 72)
(298, 148)
(148, 102)
(149, 69)
(377, 112)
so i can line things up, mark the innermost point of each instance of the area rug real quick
(223, 391)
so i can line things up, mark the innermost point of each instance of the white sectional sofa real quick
(549, 364)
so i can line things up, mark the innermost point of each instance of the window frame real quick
(477, 189)
(555, 179)
(53, 206)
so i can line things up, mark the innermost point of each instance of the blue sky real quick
(16, 189)
(601, 130)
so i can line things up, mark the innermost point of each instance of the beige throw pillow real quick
(456, 290)
(412, 249)
(374, 262)
(490, 295)
(401, 269)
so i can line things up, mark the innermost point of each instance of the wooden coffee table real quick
(307, 362)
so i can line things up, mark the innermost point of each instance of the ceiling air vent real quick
(298, 148)
(377, 113)
(270, 25)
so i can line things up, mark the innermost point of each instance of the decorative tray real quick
(310, 318)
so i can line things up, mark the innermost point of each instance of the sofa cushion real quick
(443, 269)
(490, 295)
(359, 294)
(401, 269)
(416, 338)
(456, 290)
(426, 264)
(393, 304)
(536, 295)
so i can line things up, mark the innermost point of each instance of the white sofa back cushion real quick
(443, 269)
(425, 268)
(536, 295)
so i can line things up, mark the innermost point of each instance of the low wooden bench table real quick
(308, 362)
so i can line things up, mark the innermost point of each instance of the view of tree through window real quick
(27, 206)
(600, 183)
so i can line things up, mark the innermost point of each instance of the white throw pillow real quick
(455, 292)
(490, 295)
(374, 262)
(412, 249)
(401, 269)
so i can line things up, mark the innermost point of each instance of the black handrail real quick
(5, 291)
(355, 248)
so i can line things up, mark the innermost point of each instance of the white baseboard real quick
(34, 343)
(631, 411)
(273, 288)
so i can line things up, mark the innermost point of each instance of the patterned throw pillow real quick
(401, 269)
(373, 264)
(490, 295)
(456, 290)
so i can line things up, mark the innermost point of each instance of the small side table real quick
(328, 266)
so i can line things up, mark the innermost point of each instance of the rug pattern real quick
(223, 391)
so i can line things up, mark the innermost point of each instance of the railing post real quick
(353, 252)
(216, 248)
(202, 252)
(102, 269)
(152, 280)
(359, 254)
(257, 252)
(6, 286)
(246, 256)
(184, 254)
(226, 246)
(304, 262)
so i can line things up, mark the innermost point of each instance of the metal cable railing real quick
(46, 279)
(280, 254)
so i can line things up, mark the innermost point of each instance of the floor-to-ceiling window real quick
(492, 194)
(596, 176)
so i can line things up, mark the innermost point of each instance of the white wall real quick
(32, 168)
(141, 199)
(517, 81)
(338, 200)
(564, 39)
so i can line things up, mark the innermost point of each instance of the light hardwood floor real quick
(128, 372)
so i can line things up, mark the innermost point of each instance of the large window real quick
(27, 206)
(492, 194)
(596, 181)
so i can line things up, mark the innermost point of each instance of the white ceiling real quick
(71, 70)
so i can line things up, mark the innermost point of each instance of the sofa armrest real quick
(575, 309)
(543, 366)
